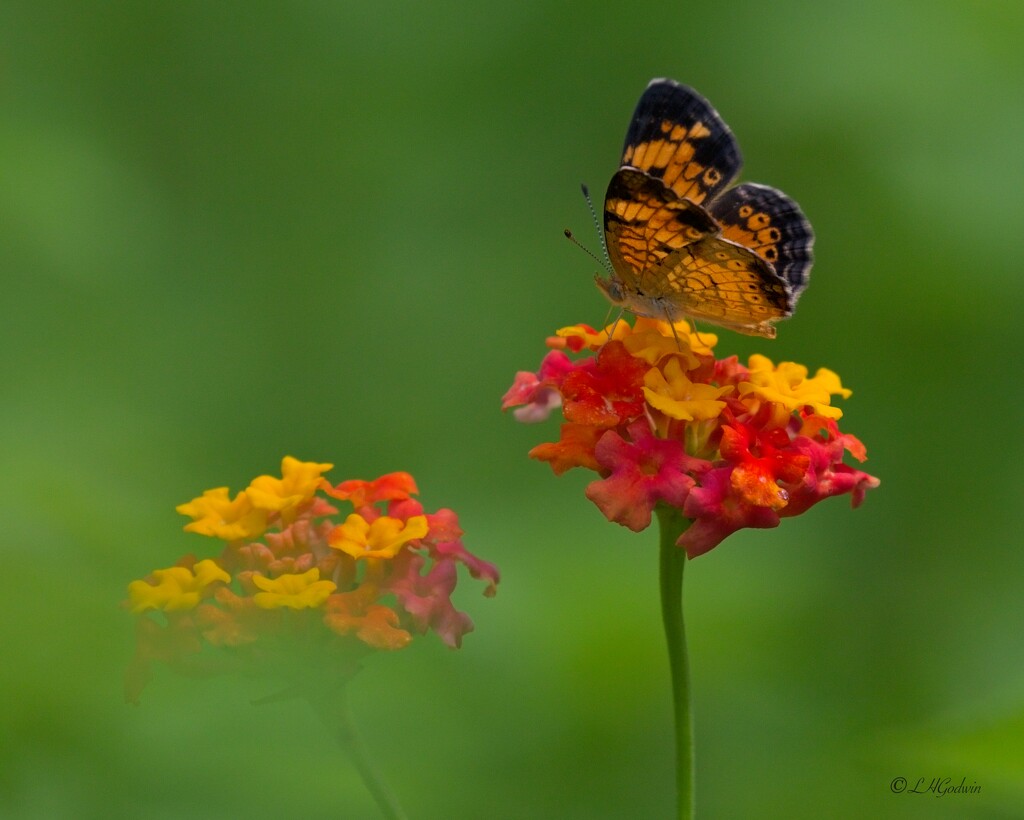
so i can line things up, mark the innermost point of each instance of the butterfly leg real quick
(615, 325)
(671, 324)
(693, 328)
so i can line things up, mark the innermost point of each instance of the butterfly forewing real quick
(645, 222)
(676, 136)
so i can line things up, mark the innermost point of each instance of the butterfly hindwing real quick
(770, 224)
(676, 136)
(719, 281)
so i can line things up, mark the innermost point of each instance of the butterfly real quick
(681, 242)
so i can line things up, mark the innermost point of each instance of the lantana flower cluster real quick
(650, 409)
(294, 577)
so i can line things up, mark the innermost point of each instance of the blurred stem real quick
(673, 562)
(333, 709)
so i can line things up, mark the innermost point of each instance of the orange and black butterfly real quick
(681, 242)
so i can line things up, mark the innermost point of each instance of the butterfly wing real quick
(772, 226)
(718, 281)
(645, 223)
(676, 136)
(671, 261)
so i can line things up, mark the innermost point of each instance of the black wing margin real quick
(772, 225)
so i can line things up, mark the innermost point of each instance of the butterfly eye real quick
(612, 289)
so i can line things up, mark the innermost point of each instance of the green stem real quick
(333, 709)
(673, 562)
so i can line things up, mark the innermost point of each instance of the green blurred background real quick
(235, 231)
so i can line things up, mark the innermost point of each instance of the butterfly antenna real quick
(597, 226)
(572, 238)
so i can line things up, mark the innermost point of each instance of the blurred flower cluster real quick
(294, 581)
(650, 409)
